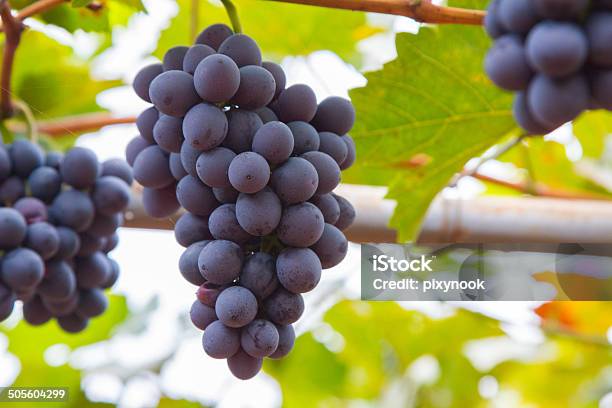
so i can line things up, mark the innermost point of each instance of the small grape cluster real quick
(555, 54)
(58, 220)
(254, 164)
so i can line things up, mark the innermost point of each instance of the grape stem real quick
(423, 11)
(36, 8)
(13, 28)
(232, 13)
(30, 119)
(75, 124)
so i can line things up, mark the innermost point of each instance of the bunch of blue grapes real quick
(555, 54)
(254, 164)
(58, 220)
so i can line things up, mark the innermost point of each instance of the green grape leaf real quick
(279, 29)
(424, 115)
(593, 129)
(81, 3)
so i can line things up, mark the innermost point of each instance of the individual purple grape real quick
(105, 225)
(80, 167)
(561, 9)
(236, 306)
(11, 190)
(223, 224)
(92, 303)
(332, 247)
(118, 168)
(54, 159)
(491, 22)
(216, 78)
(266, 115)
(352, 152)
(21, 269)
(226, 195)
(220, 262)
(201, 315)
(274, 141)
(256, 88)
(73, 209)
(143, 80)
(59, 282)
(160, 203)
(35, 312)
(173, 59)
(259, 275)
(284, 307)
(286, 340)
(305, 136)
(176, 166)
(208, 293)
(73, 323)
(194, 56)
(43, 239)
(297, 103)
(62, 307)
(5, 164)
(242, 49)
(517, 16)
(168, 133)
(25, 157)
(244, 366)
(188, 263)
(259, 338)
(295, 181)
(151, 168)
(32, 209)
(599, 32)
(524, 117)
(110, 244)
(329, 207)
(279, 76)
(301, 225)
(112, 276)
(259, 214)
(195, 197)
(347, 213)
(249, 172)
(220, 341)
(506, 63)
(298, 269)
(89, 244)
(554, 102)
(172, 93)
(334, 114)
(110, 195)
(92, 271)
(190, 228)
(214, 35)
(133, 149)
(327, 169)
(212, 167)
(69, 243)
(242, 126)
(145, 122)
(189, 157)
(333, 145)
(45, 183)
(205, 126)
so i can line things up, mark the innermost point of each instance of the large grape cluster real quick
(254, 164)
(58, 220)
(555, 54)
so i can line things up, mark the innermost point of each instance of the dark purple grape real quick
(173, 59)
(305, 137)
(5, 164)
(517, 16)
(110, 195)
(35, 312)
(599, 32)
(133, 149)
(297, 103)
(205, 127)
(259, 214)
(201, 315)
(279, 76)
(11, 190)
(45, 183)
(195, 55)
(274, 141)
(506, 63)
(173, 93)
(92, 303)
(347, 213)
(72, 323)
(286, 340)
(190, 228)
(220, 341)
(43, 239)
(298, 269)
(160, 203)
(334, 114)
(491, 22)
(226, 195)
(236, 306)
(557, 49)
(25, 156)
(73, 209)
(145, 122)
(110, 243)
(92, 271)
(242, 125)
(329, 207)
(284, 307)
(195, 197)
(333, 145)
(32, 209)
(143, 80)
(266, 114)
(259, 275)
(59, 282)
(352, 152)
(80, 167)
(62, 307)
(301, 225)
(212, 167)
(242, 49)
(332, 247)
(555, 102)
(89, 244)
(176, 166)
(220, 262)
(256, 88)
(208, 293)
(524, 118)
(561, 9)
(259, 338)
(327, 169)
(13, 228)
(118, 168)
(54, 159)
(69, 243)
(295, 181)
(214, 35)
(168, 133)
(188, 263)
(189, 157)
(244, 366)
(151, 168)
(105, 225)
(22, 269)
(223, 224)
(249, 172)
(216, 78)
(112, 276)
